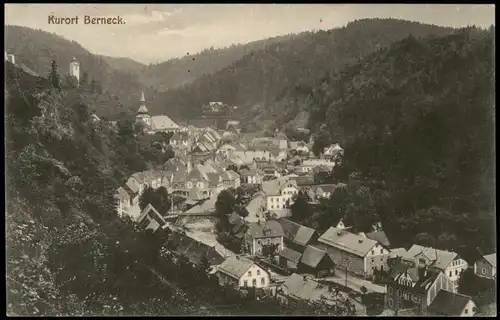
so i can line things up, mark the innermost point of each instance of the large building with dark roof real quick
(414, 287)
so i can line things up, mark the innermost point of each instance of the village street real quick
(354, 283)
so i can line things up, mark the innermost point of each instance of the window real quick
(389, 290)
(373, 251)
(258, 272)
(189, 185)
(466, 311)
(483, 270)
(245, 283)
(254, 282)
(399, 292)
(249, 273)
(272, 207)
(451, 274)
(390, 302)
(263, 281)
(456, 272)
(381, 251)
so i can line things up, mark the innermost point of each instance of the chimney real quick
(237, 257)
(360, 240)
(305, 279)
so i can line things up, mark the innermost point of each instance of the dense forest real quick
(416, 121)
(173, 73)
(261, 82)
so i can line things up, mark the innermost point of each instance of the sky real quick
(157, 32)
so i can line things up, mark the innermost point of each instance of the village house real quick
(256, 209)
(198, 253)
(316, 262)
(297, 236)
(309, 164)
(360, 255)
(333, 151)
(325, 190)
(279, 194)
(298, 288)
(304, 180)
(263, 235)
(226, 149)
(251, 176)
(150, 219)
(452, 304)
(449, 262)
(413, 287)
(289, 259)
(240, 272)
(299, 147)
(206, 179)
(486, 267)
(181, 138)
(267, 153)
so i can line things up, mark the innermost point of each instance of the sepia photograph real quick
(250, 160)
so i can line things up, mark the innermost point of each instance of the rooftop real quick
(350, 242)
(291, 255)
(379, 236)
(441, 259)
(312, 256)
(302, 288)
(296, 232)
(235, 266)
(265, 229)
(449, 303)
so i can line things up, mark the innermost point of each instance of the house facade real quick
(450, 263)
(361, 256)
(240, 272)
(260, 235)
(486, 267)
(279, 193)
(453, 304)
(252, 176)
(415, 288)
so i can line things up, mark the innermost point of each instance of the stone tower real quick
(74, 69)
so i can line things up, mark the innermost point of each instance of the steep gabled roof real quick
(441, 259)
(350, 242)
(235, 266)
(379, 236)
(265, 230)
(291, 255)
(152, 211)
(163, 122)
(298, 288)
(312, 256)
(492, 259)
(449, 303)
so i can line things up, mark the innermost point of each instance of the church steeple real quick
(142, 108)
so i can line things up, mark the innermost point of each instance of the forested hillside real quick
(177, 72)
(260, 82)
(37, 48)
(67, 252)
(417, 124)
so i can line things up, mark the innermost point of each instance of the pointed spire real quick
(142, 97)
